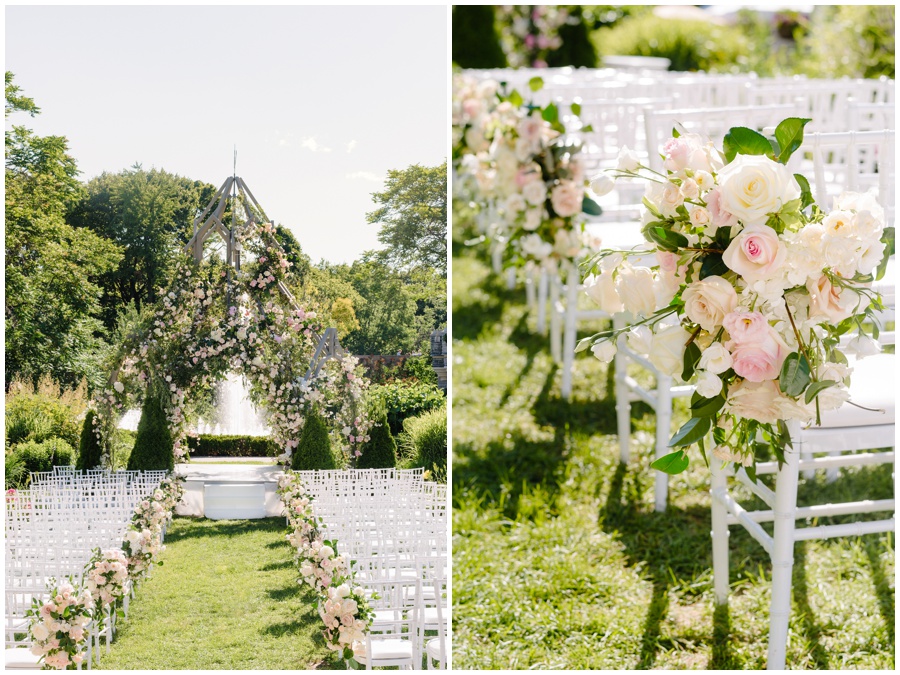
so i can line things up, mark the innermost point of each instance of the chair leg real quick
(783, 554)
(511, 278)
(530, 291)
(543, 283)
(555, 320)
(623, 401)
(720, 533)
(663, 424)
(571, 326)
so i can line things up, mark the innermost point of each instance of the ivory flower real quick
(752, 187)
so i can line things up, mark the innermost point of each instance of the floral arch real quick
(236, 315)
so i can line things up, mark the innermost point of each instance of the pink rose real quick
(719, 216)
(757, 254)
(744, 326)
(830, 302)
(566, 198)
(759, 358)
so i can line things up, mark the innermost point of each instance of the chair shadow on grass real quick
(192, 528)
(483, 311)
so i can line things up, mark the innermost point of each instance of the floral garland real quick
(531, 32)
(107, 576)
(344, 609)
(521, 172)
(143, 539)
(59, 626)
(753, 288)
(198, 333)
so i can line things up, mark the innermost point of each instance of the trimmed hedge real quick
(475, 41)
(314, 448)
(425, 440)
(406, 398)
(208, 445)
(153, 447)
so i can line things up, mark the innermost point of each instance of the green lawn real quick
(226, 598)
(560, 560)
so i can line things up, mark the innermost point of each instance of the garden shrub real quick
(123, 443)
(314, 448)
(43, 412)
(14, 471)
(576, 49)
(44, 456)
(406, 398)
(419, 367)
(208, 445)
(689, 45)
(380, 452)
(425, 441)
(475, 42)
(153, 447)
(89, 450)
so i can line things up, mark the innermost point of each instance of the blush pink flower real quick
(757, 254)
(759, 359)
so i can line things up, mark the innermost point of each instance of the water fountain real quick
(235, 412)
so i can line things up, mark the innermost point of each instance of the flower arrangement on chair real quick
(59, 625)
(752, 288)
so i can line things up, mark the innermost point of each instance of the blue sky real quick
(320, 101)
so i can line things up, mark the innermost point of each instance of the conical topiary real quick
(153, 446)
(476, 43)
(314, 449)
(89, 450)
(380, 452)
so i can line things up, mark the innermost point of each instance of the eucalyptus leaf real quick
(673, 463)
(692, 431)
(744, 141)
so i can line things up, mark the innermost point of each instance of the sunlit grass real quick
(560, 560)
(226, 598)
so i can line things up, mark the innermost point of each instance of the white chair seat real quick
(871, 385)
(21, 659)
(388, 650)
(433, 648)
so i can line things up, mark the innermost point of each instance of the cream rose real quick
(566, 198)
(708, 384)
(756, 253)
(602, 291)
(667, 349)
(605, 351)
(602, 185)
(636, 288)
(628, 160)
(830, 302)
(535, 192)
(715, 359)
(754, 186)
(706, 302)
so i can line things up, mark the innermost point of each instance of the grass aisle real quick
(559, 560)
(226, 597)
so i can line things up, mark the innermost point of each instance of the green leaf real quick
(723, 237)
(751, 472)
(515, 98)
(713, 265)
(666, 239)
(536, 84)
(550, 113)
(673, 463)
(590, 207)
(789, 135)
(889, 239)
(706, 407)
(576, 108)
(692, 431)
(806, 197)
(587, 128)
(650, 207)
(675, 133)
(815, 388)
(691, 357)
(794, 376)
(744, 141)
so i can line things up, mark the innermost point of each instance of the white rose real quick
(118, 386)
(640, 339)
(700, 217)
(602, 290)
(754, 186)
(535, 192)
(602, 185)
(708, 384)
(605, 350)
(40, 632)
(242, 333)
(667, 349)
(870, 256)
(534, 246)
(628, 160)
(636, 288)
(863, 346)
(515, 203)
(690, 189)
(533, 219)
(715, 358)
(670, 199)
(705, 180)
(706, 302)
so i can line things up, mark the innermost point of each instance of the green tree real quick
(51, 268)
(150, 214)
(476, 43)
(313, 451)
(412, 214)
(576, 49)
(153, 446)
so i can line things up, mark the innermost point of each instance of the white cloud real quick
(350, 146)
(310, 143)
(366, 175)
